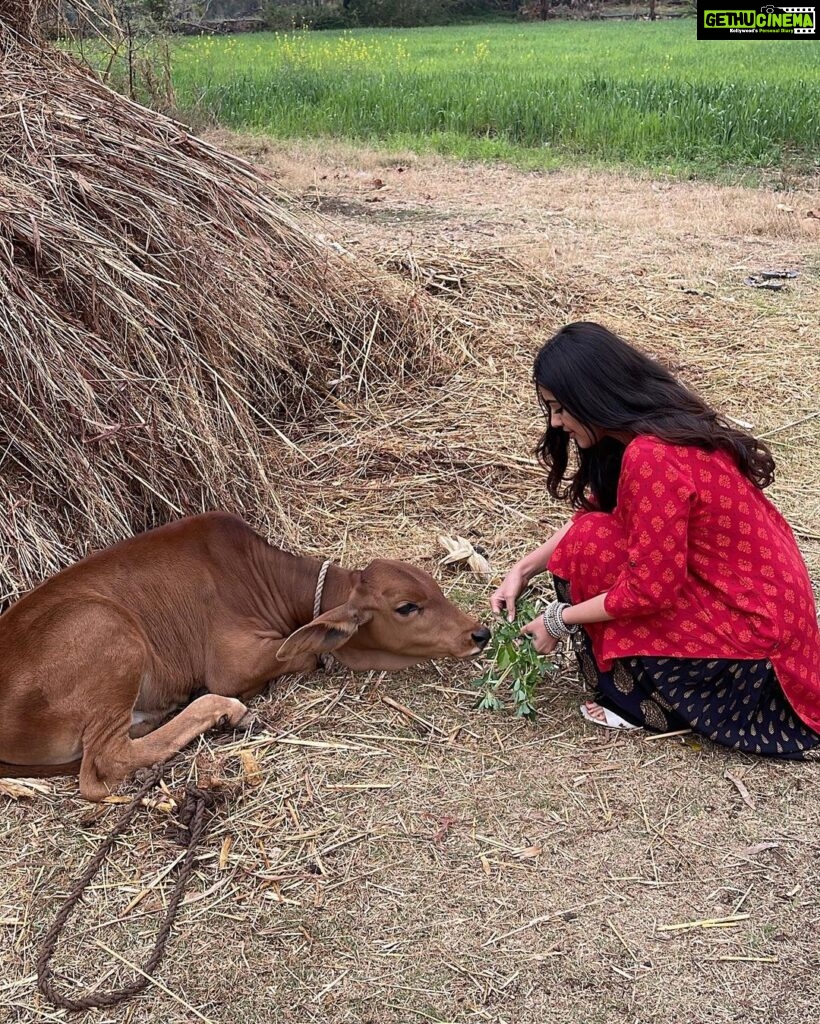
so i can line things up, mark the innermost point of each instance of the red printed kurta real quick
(697, 563)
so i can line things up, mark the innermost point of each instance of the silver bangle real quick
(548, 627)
(553, 619)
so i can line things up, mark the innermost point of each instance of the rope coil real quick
(191, 814)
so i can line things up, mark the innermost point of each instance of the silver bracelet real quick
(553, 619)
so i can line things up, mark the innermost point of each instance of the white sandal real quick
(611, 719)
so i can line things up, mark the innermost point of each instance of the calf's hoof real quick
(251, 724)
(234, 713)
(227, 723)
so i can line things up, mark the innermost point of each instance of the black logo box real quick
(749, 13)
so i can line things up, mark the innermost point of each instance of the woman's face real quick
(560, 419)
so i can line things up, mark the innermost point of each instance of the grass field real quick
(538, 95)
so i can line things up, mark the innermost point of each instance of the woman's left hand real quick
(542, 641)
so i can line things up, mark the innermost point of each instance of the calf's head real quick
(395, 616)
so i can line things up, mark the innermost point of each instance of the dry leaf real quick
(459, 549)
(744, 793)
(21, 790)
(227, 843)
(251, 768)
(784, 209)
(751, 851)
(478, 563)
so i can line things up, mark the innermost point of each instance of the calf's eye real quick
(407, 609)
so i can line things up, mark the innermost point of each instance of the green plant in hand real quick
(512, 660)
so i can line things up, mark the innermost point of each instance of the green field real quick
(540, 94)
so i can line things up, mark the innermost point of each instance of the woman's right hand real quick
(523, 571)
(505, 596)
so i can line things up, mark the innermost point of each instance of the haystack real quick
(164, 318)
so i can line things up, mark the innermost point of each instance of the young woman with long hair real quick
(681, 585)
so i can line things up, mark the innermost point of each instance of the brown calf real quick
(94, 659)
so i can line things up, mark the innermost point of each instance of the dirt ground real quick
(388, 854)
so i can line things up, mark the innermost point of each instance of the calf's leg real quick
(106, 764)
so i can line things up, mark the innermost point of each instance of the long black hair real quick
(611, 387)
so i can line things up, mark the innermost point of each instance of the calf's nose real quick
(481, 636)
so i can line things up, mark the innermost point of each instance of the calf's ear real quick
(327, 632)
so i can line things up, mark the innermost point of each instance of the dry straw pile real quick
(163, 318)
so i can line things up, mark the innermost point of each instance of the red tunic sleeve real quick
(656, 492)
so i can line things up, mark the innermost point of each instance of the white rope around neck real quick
(320, 586)
(325, 660)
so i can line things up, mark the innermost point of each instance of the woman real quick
(681, 584)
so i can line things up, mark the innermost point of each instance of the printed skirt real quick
(734, 702)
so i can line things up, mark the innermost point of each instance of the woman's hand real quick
(505, 596)
(543, 641)
(523, 571)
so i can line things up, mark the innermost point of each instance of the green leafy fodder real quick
(513, 662)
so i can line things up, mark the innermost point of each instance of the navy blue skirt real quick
(737, 703)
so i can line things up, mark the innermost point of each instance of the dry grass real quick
(163, 315)
(372, 867)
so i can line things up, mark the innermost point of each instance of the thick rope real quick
(192, 815)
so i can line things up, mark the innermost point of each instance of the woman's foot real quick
(598, 715)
